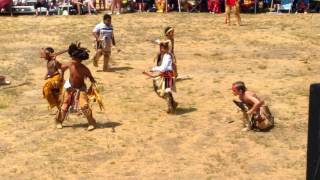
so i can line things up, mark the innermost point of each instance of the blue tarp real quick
(286, 5)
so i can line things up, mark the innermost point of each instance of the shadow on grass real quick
(115, 69)
(180, 111)
(183, 79)
(104, 125)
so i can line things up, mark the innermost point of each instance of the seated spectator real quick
(172, 5)
(89, 4)
(78, 4)
(54, 4)
(128, 6)
(41, 3)
(301, 6)
(150, 5)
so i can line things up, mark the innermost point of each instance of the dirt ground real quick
(276, 55)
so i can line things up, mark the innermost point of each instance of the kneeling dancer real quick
(75, 98)
(257, 115)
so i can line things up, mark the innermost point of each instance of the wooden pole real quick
(166, 6)
(255, 6)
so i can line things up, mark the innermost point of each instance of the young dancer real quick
(164, 82)
(54, 78)
(257, 114)
(75, 97)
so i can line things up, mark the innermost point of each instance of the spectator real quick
(78, 4)
(141, 6)
(301, 6)
(115, 4)
(41, 3)
(90, 5)
(232, 4)
(103, 34)
(214, 6)
(160, 5)
(150, 5)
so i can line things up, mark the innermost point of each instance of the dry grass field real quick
(276, 55)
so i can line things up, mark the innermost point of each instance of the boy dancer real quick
(75, 97)
(169, 33)
(54, 81)
(232, 4)
(103, 34)
(164, 83)
(257, 114)
(169, 38)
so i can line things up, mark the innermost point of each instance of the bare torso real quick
(78, 73)
(247, 100)
(53, 66)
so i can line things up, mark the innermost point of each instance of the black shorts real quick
(41, 4)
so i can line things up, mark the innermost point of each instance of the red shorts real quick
(231, 2)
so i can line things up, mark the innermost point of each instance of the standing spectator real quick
(232, 4)
(116, 4)
(141, 6)
(214, 6)
(41, 3)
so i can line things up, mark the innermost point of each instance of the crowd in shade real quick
(90, 7)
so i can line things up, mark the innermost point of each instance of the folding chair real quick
(286, 5)
(194, 5)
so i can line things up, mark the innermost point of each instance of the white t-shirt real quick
(166, 64)
(104, 32)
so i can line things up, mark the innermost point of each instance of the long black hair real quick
(78, 53)
(49, 50)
